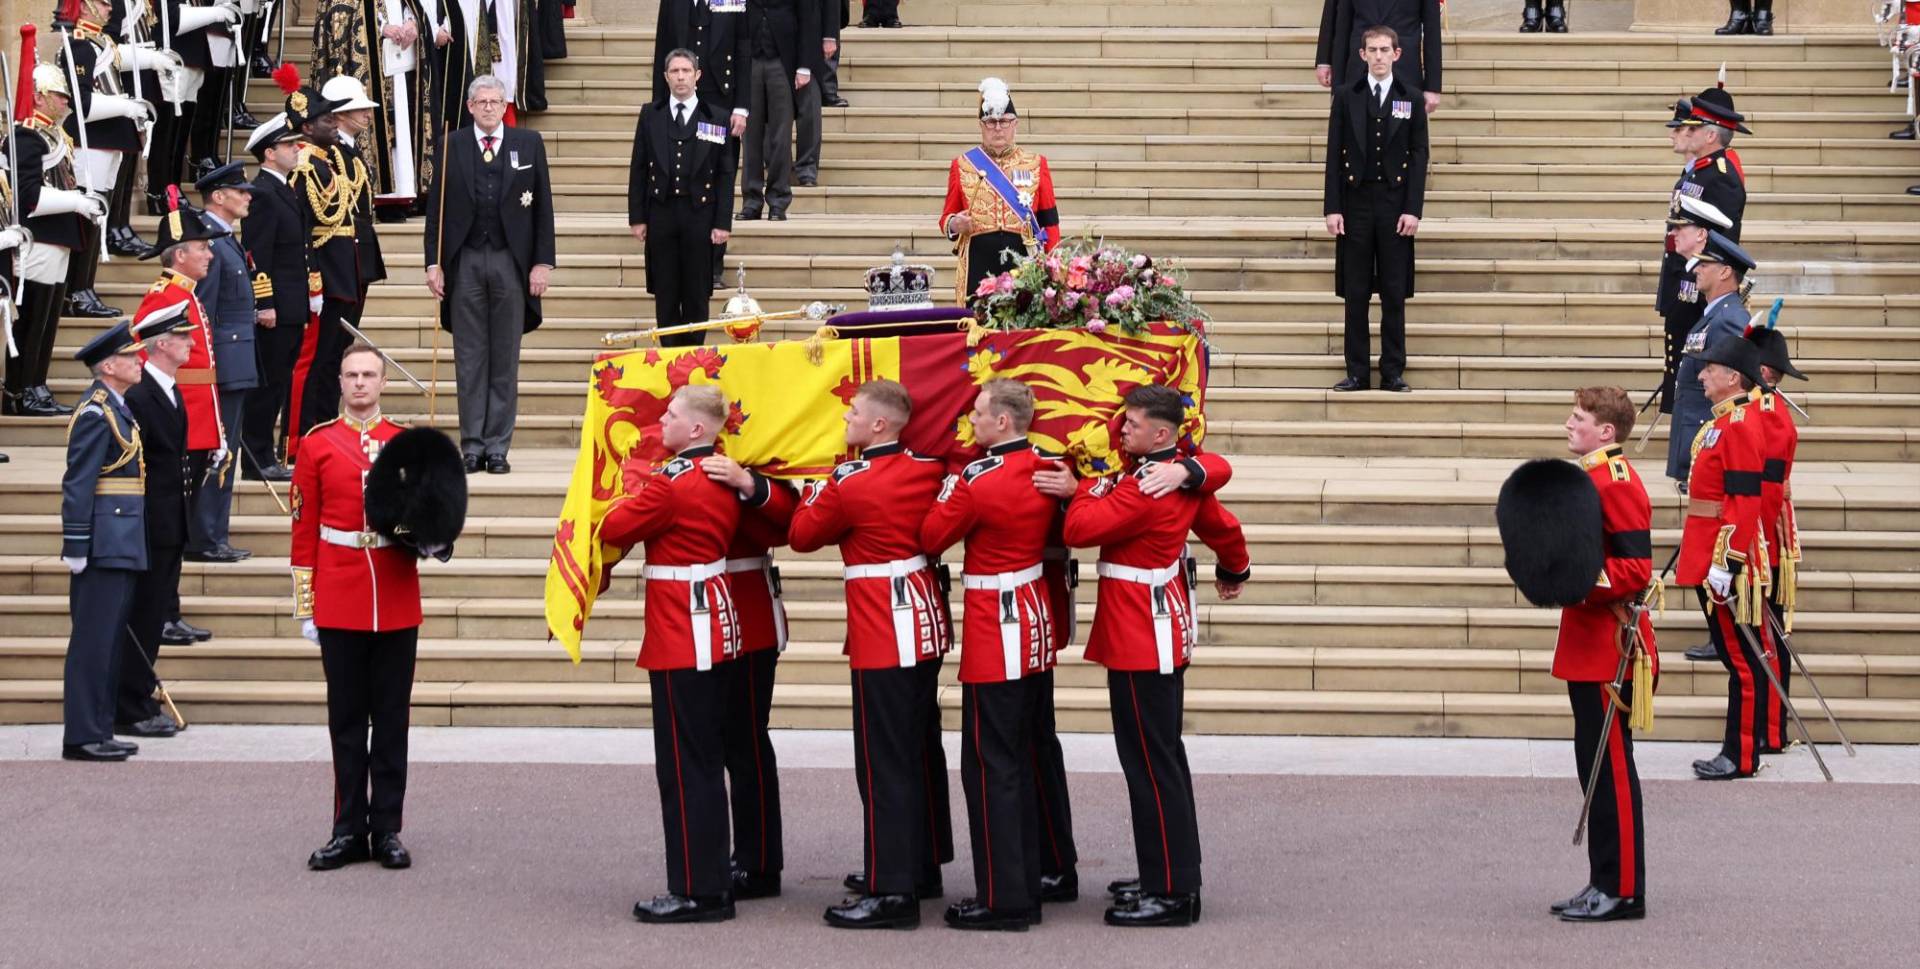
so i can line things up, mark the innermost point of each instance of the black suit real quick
(274, 233)
(1416, 21)
(718, 39)
(1376, 172)
(156, 592)
(680, 187)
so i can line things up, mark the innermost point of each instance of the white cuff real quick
(58, 201)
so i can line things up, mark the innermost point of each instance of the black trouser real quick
(321, 400)
(996, 758)
(166, 148)
(211, 114)
(1616, 833)
(1057, 852)
(34, 330)
(1749, 696)
(99, 599)
(84, 265)
(902, 777)
(369, 680)
(680, 266)
(986, 256)
(1147, 707)
(1375, 257)
(689, 716)
(1679, 320)
(120, 202)
(155, 594)
(753, 775)
(276, 348)
(829, 80)
(879, 11)
(1777, 733)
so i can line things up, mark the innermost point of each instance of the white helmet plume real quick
(995, 99)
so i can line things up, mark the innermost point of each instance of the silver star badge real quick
(526, 199)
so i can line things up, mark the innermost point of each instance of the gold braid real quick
(333, 203)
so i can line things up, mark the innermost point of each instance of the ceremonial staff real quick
(354, 332)
(815, 310)
(13, 176)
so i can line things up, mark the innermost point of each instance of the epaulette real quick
(1766, 402)
(849, 469)
(316, 427)
(1104, 485)
(1617, 467)
(676, 467)
(1722, 164)
(1737, 415)
(1699, 163)
(982, 466)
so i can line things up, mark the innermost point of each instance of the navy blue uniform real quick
(1725, 318)
(103, 521)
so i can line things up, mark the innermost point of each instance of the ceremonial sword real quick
(1783, 636)
(173, 712)
(1766, 666)
(395, 364)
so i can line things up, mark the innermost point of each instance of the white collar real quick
(692, 104)
(282, 177)
(347, 139)
(161, 377)
(499, 135)
(1383, 85)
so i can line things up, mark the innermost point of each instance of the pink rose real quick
(1049, 292)
(987, 287)
(1146, 277)
(1120, 296)
(1139, 261)
(1006, 284)
(1077, 279)
(1096, 326)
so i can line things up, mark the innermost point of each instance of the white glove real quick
(12, 237)
(219, 457)
(309, 630)
(190, 19)
(1720, 581)
(59, 201)
(147, 58)
(76, 565)
(106, 106)
(313, 304)
(92, 207)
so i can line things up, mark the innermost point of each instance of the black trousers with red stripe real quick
(1058, 855)
(689, 718)
(1749, 696)
(1147, 709)
(1616, 835)
(753, 777)
(901, 771)
(996, 757)
(326, 343)
(369, 682)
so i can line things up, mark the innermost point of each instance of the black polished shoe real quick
(118, 744)
(972, 915)
(807, 181)
(1530, 18)
(777, 215)
(1395, 385)
(262, 65)
(1557, 19)
(122, 241)
(876, 912)
(719, 281)
(176, 633)
(272, 472)
(665, 909)
(1578, 897)
(1124, 886)
(754, 884)
(1062, 887)
(1351, 384)
(1720, 768)
(86, 303)
(48, 402)
(389, 852)
(159, 725)
(243, 120)
(893, 24)
(472, 463)
(156, 204)
(747, 215)
(1913, 190)
(99, 752)
(497, 464)
(223, 554)
(339, 853)
(1738, 22)
(929, 888)
(1154, 910)
(200, 635)
(200, 168)
(838, 103)
(1598, 906)
(1902, 134)
(1703, 653)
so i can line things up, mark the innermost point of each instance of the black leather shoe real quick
(86, 303)
(100, 752)
(199, 635)
(893, 24)
(121, 241)
(262, 66)
(388, 850)
(244, 120)
(1556, 20)
(1578, 898)
(48, 404)
(1598, 906)
(1738, 22)
(175, 633)
(777, 215)
(497, 464)
(224, 554)
(339, 853)
(1351, 384)
(1703, 653)
(662, 909)
(807, 181)
(1124, 886)
(200, 168)
(1720, 768)
(156, 204)
(876, 912)
(1150, 910)
(747, 215)
(1913, 190)
(473, 463)
(928, 889)
(272, 472)
(1902, 134)
(1530, 20)
(719, 281)
(1395, 384)
(755, 884)
(118, 744)
(159, 725)
(838, 103)
(1063, 887)
(970, 914)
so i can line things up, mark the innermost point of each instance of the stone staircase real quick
(1378, 604)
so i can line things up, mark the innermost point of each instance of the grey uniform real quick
(1725, 317)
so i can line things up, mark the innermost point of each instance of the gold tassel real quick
(1789, 586)
(1641, 719)
(817, 343)
(975, 332)
(1656, 597)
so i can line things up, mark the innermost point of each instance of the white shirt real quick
(164, 379)
(1380, 88)
(674, 106)
(346, 139)
(278, 175)
(499, 136)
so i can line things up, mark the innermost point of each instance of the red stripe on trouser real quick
(759, 769)
(866, 748)
(686, 852)
(1737, 657)
(1623, 809)
(1166, 853)
(986, 815)
(309, 347)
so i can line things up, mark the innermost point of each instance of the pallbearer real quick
(999, 197)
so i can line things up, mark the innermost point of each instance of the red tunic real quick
(1586, 651)
(752, 576)
(1779, 440)
(1008, 629)
(199, 392)
(1723, 493)
(968, 192)
(686, 520)
(1144, 619)
(345, 575)
(872, 508)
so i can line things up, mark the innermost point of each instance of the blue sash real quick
(1003, 186)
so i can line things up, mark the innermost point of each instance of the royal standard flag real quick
(786, 400)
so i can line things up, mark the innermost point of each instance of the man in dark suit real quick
(832, 23)
(1416, 22)
(490, 250)
(716, 32)
(679, 202)
(156, 406)
(1375, 188)
(275, 236)
(785, 39)
(826, 82)
(232, 307)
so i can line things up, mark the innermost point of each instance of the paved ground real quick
(199, 863)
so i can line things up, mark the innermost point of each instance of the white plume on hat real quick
(994, 97)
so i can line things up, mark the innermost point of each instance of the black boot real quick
(1557, 17)
(87, 303)
(243, 120)
(156, 204)
(1739, 19)
(1763, 17)
(201, 168)
(262, 67)
(123, 241)
(1530, 17)
(48, 405)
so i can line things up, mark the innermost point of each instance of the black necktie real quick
(680, 114)
(1377, 88)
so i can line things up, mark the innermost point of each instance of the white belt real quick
(763, 564)
(340, 536)
(904, 640)
(1159, 600)
(1006, 584)
(699, 604)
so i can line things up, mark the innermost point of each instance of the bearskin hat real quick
(1550, 526)
(416, 492)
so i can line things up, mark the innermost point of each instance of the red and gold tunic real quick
(1587, 650)
(969, 192)
(1723, 495)
(686, 520)
(345, 575)
(199, 392)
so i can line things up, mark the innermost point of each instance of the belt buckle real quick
(363, 539)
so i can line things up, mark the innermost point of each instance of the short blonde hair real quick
(890, 396)
(707, 402)
(1010, 398)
